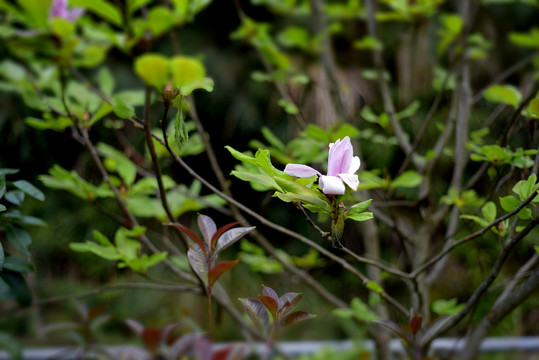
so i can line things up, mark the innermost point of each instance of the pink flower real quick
(342, 166)
(59, 9)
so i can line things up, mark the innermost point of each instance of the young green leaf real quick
(504, 94)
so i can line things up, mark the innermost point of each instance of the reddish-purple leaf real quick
(256, 311)
(221, 230)
(295, 317)
(288, 302)
(395, 329)
(267, 291)
(219, 269)
(223, 353)
(167, 330)
(191, 234)
(135, 326)
(198, 263)
(151, 338)
(270, 304)
(203, 349)
(415, 323)
(230, 237)
(207, 227)
(181, 346)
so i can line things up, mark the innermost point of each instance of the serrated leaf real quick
(29, 189)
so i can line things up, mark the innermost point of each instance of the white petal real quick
(331, 185)
(354, 166)
(300, 170)
(351, 180)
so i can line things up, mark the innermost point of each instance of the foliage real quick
(393, 130)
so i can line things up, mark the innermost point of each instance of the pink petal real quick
(300, 170)
(331, 185)
(340, 156)
(356, 163)
(351, 180)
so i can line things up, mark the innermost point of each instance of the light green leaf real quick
(524, 188)
(408, 179)
(364, 216)
(289, 107)
(124, 166)
(446, 307)
(369, 43)
(102, 8)
(153, 69)
(160, 19)
(504, 94)
(122, 110)
(374, 286)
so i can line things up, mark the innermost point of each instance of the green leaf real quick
(121, 109)
(17, 264)
(2, 257)
(241, 156)
(18, 286)
(374, 286)
(123, 165)
(62, 27)
(530, 39)
(259, 182)
(289, 107)
(294, 36)
(509, 203)
(11, 346)
(153, 69)
(160, 19)
(19, 239)
(2, 208)
(446, 307)
(482, 222)
(525, 188)
(369, 43)
(29, 189)
(408, 179)
(489, 211)
(504, 94)
(272, 139)
(358, 208)
(360, 217)
(2, 186)
(189, 74)
(181, 135)
(102, 8)
(105, 252)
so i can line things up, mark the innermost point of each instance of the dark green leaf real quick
(10, 345)
(29, 189)
(19, 238)
(2, 186)
(18, 286)
(16, 197)
(17, 264)
(2, 257)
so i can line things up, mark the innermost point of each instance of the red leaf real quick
(191, 234)
(151, 338)
(415, 323)
(288, 302)
(219, 269)
(295, 317)
(267, 291)
(270, 304)
(222, 354)
(221, 230)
